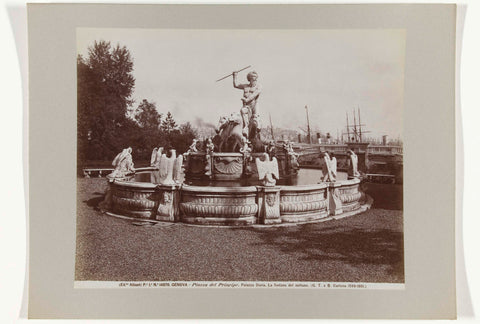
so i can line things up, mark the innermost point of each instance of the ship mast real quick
(359, 123)
(355, 126)
(308, 127)
(348, 129)
(271, 127)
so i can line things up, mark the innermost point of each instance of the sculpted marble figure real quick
(353, 164)
(267, 170)
(230, 134)
(251, 93)
(271, 149)
(245, 146)
(156, 155)
(246, 123)
(193, 146)
(254, 130)
(288, 147)
(333, 166)
(170, 168)
(327, 168)
(123, 164)
(210, 147)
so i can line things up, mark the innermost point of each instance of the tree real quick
(147, 116)
(168, 124)
(182, 138)
(104, 87)
(148, 136)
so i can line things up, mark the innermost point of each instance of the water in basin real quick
(304, 177)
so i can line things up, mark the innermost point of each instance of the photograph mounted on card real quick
(233, 159)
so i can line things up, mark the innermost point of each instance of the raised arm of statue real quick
(235, 83)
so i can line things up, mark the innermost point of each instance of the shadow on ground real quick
(352, 246)
(94, 202)
(385, 196)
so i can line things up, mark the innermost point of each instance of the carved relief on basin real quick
(303, 203)
(218, 206)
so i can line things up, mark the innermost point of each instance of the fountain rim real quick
(189, 188)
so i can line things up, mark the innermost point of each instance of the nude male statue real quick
(251, 92)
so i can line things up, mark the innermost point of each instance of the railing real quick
(89, 172)
(380, 178)
(342, 148)
(100, 172)
(385, 149)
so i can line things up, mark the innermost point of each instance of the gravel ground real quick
(362, 248)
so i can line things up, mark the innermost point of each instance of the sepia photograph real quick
(241, 158)
(242, 161)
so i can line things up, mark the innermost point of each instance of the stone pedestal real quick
(269, 205)
(168, 200)
(334, 202)
(208, 165)
(195, 166)
(106, 204)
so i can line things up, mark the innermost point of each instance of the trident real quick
(232, 73)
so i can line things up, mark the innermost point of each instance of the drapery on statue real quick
(251, 93)
(123, 164)
(170, 168)
(267, 170)
(153, 157)
(353, 164)
(156, 155)
(326, 168)
(333, 165)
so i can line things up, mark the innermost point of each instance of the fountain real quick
(231, 180)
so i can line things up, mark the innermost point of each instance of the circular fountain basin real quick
(295, 200)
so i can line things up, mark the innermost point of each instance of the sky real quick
(332, 72)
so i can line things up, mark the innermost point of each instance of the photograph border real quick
(429, 119)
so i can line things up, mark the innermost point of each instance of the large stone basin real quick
(234, 206)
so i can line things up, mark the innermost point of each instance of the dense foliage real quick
(106, 119)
